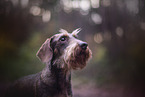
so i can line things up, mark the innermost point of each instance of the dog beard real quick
(78, 57)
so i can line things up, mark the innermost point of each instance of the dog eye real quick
(63, 38)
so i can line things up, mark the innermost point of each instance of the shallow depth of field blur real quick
(114, 30)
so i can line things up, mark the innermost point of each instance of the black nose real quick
(83, 45)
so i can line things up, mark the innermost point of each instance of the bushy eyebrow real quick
(75, 36)
(65, 35)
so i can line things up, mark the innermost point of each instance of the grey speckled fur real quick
(61, 53)
(43, 84)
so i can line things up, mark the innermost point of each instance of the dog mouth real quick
(82, 51)
(77, 56)
(80, 58)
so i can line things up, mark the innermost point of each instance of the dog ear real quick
(45, 52)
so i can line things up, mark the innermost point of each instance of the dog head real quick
(65, 50)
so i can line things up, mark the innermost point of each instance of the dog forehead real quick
(57, 36)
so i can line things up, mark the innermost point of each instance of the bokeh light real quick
(113, 29)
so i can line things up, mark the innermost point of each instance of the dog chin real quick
(79, 59)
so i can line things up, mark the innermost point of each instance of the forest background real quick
(114, 30)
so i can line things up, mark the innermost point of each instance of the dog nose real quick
(83, 45)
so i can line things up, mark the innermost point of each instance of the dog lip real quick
(83, 52)
(84, 48)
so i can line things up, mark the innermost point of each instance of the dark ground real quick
(91, 90)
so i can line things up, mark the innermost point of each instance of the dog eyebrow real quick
(63, 31)
(63, 36)
(75, 32)
(75, 36)
(66, 35)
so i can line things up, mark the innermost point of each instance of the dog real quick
(61, 53)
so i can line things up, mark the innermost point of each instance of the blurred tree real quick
(18, 20)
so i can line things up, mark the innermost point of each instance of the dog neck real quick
(58, 77)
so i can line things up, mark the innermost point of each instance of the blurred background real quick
(114, 30)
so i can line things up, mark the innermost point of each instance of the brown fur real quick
(79, 58)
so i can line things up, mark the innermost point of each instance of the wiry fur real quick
(75, 57)
(78, 58)
(61, 53)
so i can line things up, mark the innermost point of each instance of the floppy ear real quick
(45, 52)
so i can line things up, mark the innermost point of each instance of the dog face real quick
(65, 51)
